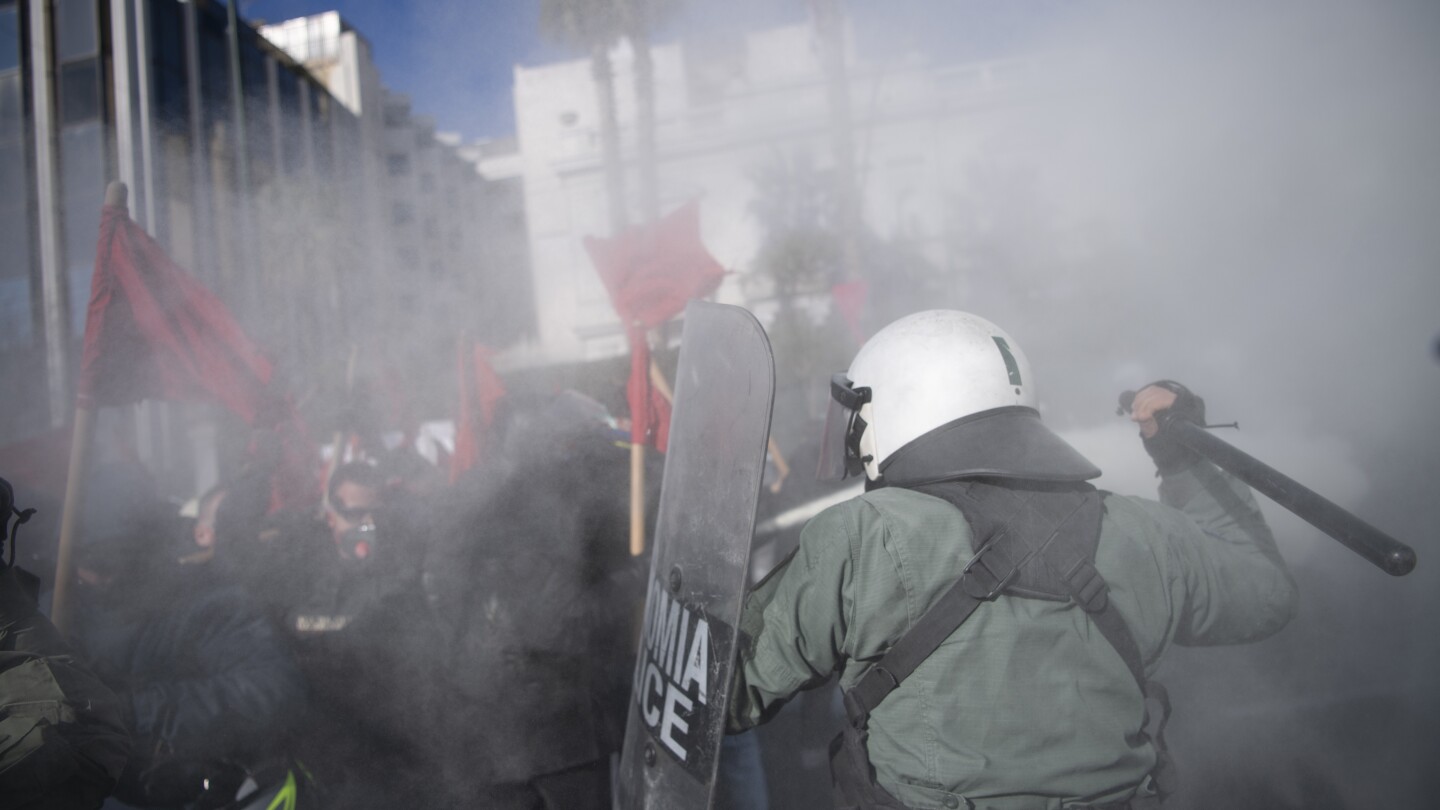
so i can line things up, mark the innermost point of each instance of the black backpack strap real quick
(978, 583)
(915, 646)
(1065, 568)
(1075, 565)
(855, 785)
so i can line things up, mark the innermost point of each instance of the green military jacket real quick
(1026, 705)
(63, 742)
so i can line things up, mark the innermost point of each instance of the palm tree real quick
(593, 26)
(638, 18)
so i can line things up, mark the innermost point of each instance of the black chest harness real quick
(1032, 540)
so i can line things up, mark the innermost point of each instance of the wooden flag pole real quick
(81, 440)
(637, 498)
(657, 379)
(782, 467)
(637, 486)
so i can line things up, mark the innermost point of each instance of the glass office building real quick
(286, 202)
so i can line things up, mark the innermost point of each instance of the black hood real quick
(1009, 442)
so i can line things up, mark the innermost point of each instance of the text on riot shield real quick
(676, 678)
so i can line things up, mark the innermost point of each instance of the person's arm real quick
(792, 628)
(248, 688)
(1237, 587)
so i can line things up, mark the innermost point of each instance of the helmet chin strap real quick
(865, 443)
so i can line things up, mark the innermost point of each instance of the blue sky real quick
(455, 58)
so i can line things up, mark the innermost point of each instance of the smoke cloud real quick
(1243, 197)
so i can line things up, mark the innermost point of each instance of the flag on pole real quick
(651, 271)
(481, 390)
(850, 301)
(283, 448)
(154, 332)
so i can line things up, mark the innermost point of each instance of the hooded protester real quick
(993, 617)
(208, 685)
(365, 639)
(63, 742)
(537, 596)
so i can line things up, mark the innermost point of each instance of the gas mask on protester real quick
(359, 542)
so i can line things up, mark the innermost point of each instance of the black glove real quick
(1170, 456)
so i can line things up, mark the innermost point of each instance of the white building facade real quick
(725, 111)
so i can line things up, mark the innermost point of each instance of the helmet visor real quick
(840, 444)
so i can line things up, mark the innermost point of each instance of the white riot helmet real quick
(939, 395)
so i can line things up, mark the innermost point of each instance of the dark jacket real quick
(62, 741)
(538, 594)
(364, 638)
(206, 677)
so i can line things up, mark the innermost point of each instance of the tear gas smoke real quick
(1239, 196)
(1247, 194)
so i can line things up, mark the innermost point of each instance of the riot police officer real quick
(1026, 685)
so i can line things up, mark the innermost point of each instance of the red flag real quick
(153, 332)
(850, 300)
(286, 449)
(480, 392)
(650, 272)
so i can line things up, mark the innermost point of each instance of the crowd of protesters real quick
(404, 642)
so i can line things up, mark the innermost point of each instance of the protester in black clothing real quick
(538, 596)
(364, 637)
(207, 682)
(368, 548)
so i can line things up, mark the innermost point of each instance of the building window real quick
(75, 29)
(9, 38)
(12, 100)
(82, 171)
(79, 91)
(712, 66)
(398, 164)
(168, 45)
(16, 327)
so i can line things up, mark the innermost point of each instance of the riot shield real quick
(724, 389)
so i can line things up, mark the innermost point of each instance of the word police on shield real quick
(724, 387)
(673, 688)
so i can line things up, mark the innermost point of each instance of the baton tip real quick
(1400, 562)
